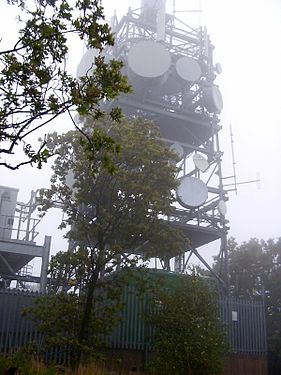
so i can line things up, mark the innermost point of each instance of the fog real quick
(246, 38)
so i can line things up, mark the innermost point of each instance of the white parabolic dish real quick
(188, 69)
(222, 207)
(149, 59)
(200, 162)
(213, 99)
(86, 63)
(178, 149)
(192, 192)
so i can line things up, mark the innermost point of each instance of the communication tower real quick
(171, 69)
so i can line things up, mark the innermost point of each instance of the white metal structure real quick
(17, 239)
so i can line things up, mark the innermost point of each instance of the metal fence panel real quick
(244, 321)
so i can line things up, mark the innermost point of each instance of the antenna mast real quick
(233, 160)
(235, 183)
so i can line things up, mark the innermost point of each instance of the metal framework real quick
(18, 231)
(187, 115)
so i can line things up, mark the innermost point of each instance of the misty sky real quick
(246, 35)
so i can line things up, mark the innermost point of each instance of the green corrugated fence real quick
(243, 319)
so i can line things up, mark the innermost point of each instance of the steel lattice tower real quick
(170, 66)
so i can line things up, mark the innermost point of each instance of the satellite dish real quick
(69, 179)
(218, 68)
(149, 59)
(178, 149)
(192, 192)
(200, 162)
(79, 119)
(188, 69)
(222, 207)
(87, 62)
(213, 99)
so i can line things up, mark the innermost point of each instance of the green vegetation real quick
(255, 272)
(177, 313)
(188, 336)
(35, 85)
(24, 364)
(114, 207)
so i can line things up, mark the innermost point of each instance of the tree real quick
(61, 324)
(116, 205)
(35, 86)
(255, 271)
(249, 265)
(188, 337)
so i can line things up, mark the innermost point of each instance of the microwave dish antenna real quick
(200, 162)
(188, 69)
(149, 59)
(192, 192)
(222, 207)
(178, 149)
(213, 99)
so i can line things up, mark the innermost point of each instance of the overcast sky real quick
(246, 35)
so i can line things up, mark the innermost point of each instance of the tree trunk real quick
(83, 333)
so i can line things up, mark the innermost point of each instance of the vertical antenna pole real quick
(224, 247)
(161, 21)
(233, 160)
